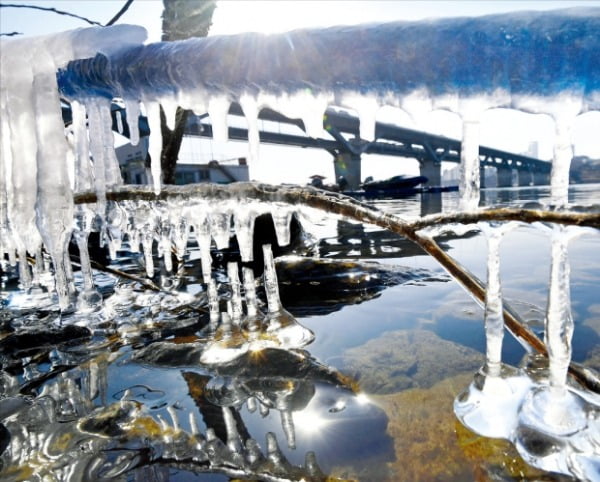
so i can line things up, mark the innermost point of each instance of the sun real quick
(231, 17)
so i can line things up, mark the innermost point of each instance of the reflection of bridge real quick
(390, 140)
(345, 145)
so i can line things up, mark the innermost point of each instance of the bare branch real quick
(50, 9)
(10, 34)
(120, 13)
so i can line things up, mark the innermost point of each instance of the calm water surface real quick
(406, 337)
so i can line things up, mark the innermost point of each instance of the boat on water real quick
(393, 183)
(391, 188)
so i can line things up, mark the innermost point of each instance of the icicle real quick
(366, 108)
(253, 453)
(132, 110)
(164, 246)
(236, 297)
(469, 166)
(111, 163)
(243, 222)
(155, 143)
(494, 317)
(220, 226)
(83, 179)
(490, 405)
(282, 217)
(218, 108)
(559, 321)
(287, 424)
(93, 109)
(251, 404)
(193, 424)
(54, 206)
(250, 295)
(114, 228)
(273, 451)
(179, 234)
(147, 242)
(89, 298)
(213, 302)
(561, 163)
(250, 108)
(119, 119)
(169, 107)
(281, 325)
(271, 286)
(19, 126)
(233, 436)
(263, 410)
(312, 467)
(201, 224)
(303, 104)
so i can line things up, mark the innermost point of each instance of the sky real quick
(508, 130)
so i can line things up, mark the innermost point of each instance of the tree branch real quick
(50, 9)
(350, 208)
(120, 13)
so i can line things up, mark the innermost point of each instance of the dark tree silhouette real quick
(182, 19)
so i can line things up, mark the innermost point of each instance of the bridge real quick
(346, 147)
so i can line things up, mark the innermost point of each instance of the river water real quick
(396, 340)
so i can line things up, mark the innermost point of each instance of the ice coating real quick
(525, 53)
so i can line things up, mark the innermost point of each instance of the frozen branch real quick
(352, 209)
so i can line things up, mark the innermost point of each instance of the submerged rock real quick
(407, 359)
(431, 444)
(316, 286)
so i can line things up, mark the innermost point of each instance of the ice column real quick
(89, 298)
(556, 414)
(561, 163)
(490, 405)
(469, 166)
(559, 321)
(54, 205)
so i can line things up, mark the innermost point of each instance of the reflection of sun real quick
(309, 422)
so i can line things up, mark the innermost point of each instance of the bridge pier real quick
(432, 170)
(541, 178)
(483, 170)
(505, 176)
(347, 165)
(525, 178)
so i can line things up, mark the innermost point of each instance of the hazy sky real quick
(512, 131)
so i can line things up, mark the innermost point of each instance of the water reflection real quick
(122, 394)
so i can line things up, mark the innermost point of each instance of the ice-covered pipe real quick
(523, 53)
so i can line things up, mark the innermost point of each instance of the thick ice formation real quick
(538, 62)
(37, 185)
(554, 426)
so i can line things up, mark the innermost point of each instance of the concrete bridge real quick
(346, 147)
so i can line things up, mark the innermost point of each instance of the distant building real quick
(584, 170)
(132, 161)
